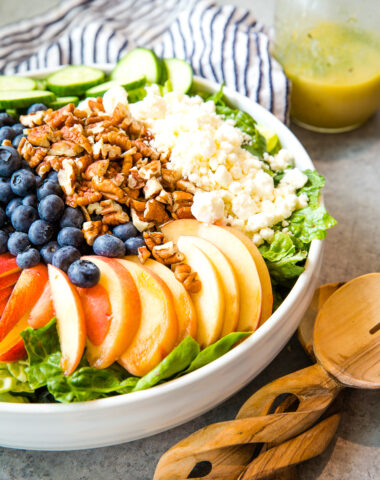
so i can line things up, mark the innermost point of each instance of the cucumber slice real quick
(41, 84)
(62, 101)
(101, 89)
(74, 80)
(24, 98)
(13, 82)
(273, 142)
(179, 74)
(140, 62)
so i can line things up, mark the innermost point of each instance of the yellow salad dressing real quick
(335, 74)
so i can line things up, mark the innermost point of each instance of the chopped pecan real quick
(119, 139)
(135, 182)
(128, 160)
(182, 204)
(182, 212)
(152, 188)
(65, 148)
(140, 223)
(186, 186)
(32, 155)
(34, 119)
(113, 213)
(153, 238)
(42, 136)
(151, 169)
(83, 197)
(108, 188)
(106, 150)
(67, 176)
(120, 113)
(43, 168)
(58, 118)
(165, 197)
(138, 205)
(167, 253)
(184, 274)
(169, 178)
(143, 254)
(83, 162)
(75, 134)
(155, 212)
(145, 149)
(6, 143)
(96, 105)
(91, 230)
(98, 168)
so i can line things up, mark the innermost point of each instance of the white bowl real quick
(136, 415)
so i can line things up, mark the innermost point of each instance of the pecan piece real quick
(145, 149)
(170, 177)
(143, 254)
(75, 134)
(152, 169)
(113, 213)
(58, 118)
(98, 168)
(155, 212)
(153, 238)
(139, 223)
(43, 168)
(91, 230)
(65, 148)
(32, 155)
(135, 182)
(186, 186)
(167, 253)
(119, 139)
(182, 212)
(34, 119)
(184, 274)
(165, 197)
(67, 176)
(152, 188)
(42, 136)
(108, 188)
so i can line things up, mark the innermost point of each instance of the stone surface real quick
(350, 163)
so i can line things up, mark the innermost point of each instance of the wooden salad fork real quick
(346, 344)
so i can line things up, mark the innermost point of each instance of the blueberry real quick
(52, 176)
(40, 232)
(28, 259)
(72, 217)
(12, 205)
(18, 242)
(83, 273)
(133, 244)
(25, 166)
(51, 208)
(30, 200)
(2, 217)
(23, 217)
(7, 133)
(10, 161)
(125, 231)
(6, 119)
(8, 229)
(23, 182)
(18, 128)
(48, 250)
(16, 141)
(39, 181)
(109, 246)
(49, 188)
(6, 193)
(36, 107)
(3, 241)
(70, 236)
(65, 256)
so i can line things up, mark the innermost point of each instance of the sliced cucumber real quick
(62, 101)
(74, 80)
(179, 73)
(24, 98)
(13, 82)
(273, 142)
(101, 89)
(140, 62)
(41, 84)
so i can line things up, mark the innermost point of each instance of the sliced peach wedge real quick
(70, 319)
(158, 331)
(8, 264)
(228, 280)
(24, 296)
(43, 311)
(184, 307)
(262, 270)
(240, 259)
(209, 302)
(113, 312)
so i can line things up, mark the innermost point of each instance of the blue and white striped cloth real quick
(222, 43)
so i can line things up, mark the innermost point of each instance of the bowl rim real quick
(242, 349)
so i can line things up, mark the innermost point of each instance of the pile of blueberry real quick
(37, 226)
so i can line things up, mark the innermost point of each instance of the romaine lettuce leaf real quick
(10, 398)
(13, 377)
(310, 223)
(313, 187)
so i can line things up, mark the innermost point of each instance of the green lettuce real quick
(41, 378)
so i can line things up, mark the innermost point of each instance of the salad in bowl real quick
(147, 228)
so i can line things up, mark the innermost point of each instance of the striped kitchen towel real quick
(222, 43)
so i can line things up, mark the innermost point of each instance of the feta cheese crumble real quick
(232, 184)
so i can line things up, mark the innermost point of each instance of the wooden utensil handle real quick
(314, 390)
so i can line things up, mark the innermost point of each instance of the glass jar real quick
(330, 50)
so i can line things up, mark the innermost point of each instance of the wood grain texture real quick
(347, 333)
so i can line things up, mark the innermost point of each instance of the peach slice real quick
(5, 294)
(240, 259)
(43, 310)
(111, 335)
(228, 280)
(9, 280)
(209, 302)
(262, 270)
(8, 264)
(184, 307)
(158, 331)
(24, 296)
(15, 352)
(70, 319)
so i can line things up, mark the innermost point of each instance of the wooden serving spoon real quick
(347, 347)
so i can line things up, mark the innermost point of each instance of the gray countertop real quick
(351, 164)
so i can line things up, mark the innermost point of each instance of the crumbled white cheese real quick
(232, 184)
(207, 207)
(116, 94)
